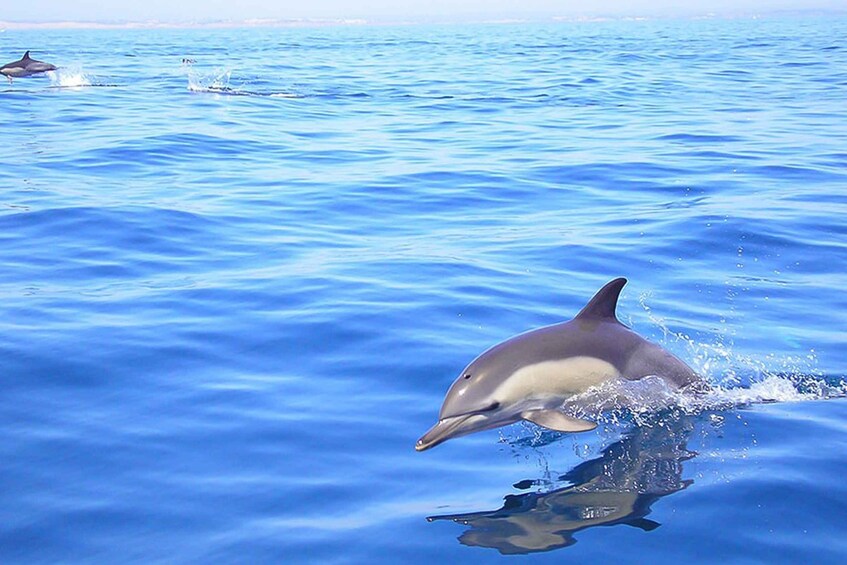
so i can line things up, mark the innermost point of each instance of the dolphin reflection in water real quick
(619, 487)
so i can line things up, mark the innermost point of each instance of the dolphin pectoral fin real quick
(555, 420)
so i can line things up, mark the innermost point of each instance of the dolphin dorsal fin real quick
(25, 57)
(603, 305)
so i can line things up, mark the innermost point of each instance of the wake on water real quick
(73, 77)
(68, 78)
(215, 82)
(623, 407)
(219, 82)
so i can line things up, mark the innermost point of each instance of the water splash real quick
(646, 401)
(69, 78)
(743, 381)
(620, 405)
(734, 381)
(217, 81)
(220, 82)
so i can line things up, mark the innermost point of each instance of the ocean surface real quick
(235, 289)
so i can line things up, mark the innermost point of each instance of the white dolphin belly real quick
(561, 378)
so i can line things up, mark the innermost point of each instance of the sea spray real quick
(70, 77)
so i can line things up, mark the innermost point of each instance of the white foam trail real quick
(68, 78)
(216, 82)
(642, 400)
(219, 82)
(652, 403)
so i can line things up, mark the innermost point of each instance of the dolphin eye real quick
(467, 376)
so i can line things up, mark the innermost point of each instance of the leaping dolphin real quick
(24, 67)
(530, 376)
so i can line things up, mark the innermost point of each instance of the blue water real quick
(234, 292)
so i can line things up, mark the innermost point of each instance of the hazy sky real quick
(203, 10)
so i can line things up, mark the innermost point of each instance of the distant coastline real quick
(317, 22)
(179, 25)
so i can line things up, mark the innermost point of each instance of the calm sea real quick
(234, 292)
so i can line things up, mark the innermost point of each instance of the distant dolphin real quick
(529, 376)
(24, 67)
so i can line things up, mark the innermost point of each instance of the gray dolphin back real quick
(22, 62)
(26, 65)
(645, 358)
(650, 359)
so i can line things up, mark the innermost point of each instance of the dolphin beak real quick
(442, 431)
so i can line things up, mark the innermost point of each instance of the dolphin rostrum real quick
(530, 376)
(24, 67)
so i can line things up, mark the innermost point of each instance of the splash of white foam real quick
(642, 400)
(68, 78)
(218, 81)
